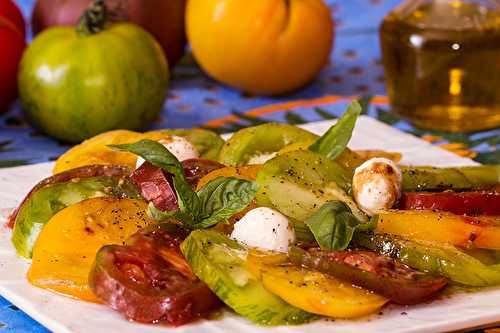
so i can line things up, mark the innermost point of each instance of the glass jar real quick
(442, 63)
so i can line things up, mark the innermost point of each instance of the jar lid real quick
(449, 14)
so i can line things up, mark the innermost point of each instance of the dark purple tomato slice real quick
(156, 186)
(381, 274)
(149, 281)
(196, 168)
(460, 203)
(86, 171)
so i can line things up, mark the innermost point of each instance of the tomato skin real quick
(215, 26)
(81, 172)
(67, 245)
(10, 11)
(12, 44)
(163, 19)
(148, 280)
(156, 184)
(74, 86)
(381, 274)
(197, 168)
(156, 187)
(481, 232)
(460, 203)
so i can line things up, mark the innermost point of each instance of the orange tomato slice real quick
(465, 231)
(65, 250)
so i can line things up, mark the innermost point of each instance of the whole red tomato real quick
(12, 44)
(11, 12)
(164, 19)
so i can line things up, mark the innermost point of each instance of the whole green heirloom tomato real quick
(76, 83)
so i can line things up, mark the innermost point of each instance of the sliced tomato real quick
(381, 274)
(460, 203)
(460, 230)
(148, 280)
(156, 186)
(197, 168)
(82, 172)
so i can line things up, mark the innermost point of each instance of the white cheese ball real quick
(178, 146)
(264, 228)
(377, 185)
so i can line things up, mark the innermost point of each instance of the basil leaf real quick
(333, 226)
(335, 140)
(156, 154)
(223, 197)
(302, 232)
(215, 202)
(158, 215)
(186, 217)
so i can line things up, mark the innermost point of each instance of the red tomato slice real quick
(149, 281)
(460, 203)
(381, 274)
(156, 187)
(196, 168)
(86, 171)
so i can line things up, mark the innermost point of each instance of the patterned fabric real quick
(195, 100)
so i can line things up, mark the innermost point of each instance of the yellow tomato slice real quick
(295, 146)
(349, 158)
(465, 231)
(259, 259)
(368, 154)
(243, 172)
(95, 150)
(66, 248)
(319, 293)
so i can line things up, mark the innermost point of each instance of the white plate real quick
(61, 314)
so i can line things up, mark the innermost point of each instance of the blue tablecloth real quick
(195, 100)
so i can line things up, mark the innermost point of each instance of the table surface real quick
(194, 100)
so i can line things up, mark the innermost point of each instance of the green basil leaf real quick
(223, 197)
(157, 214)
(333, 226)
(335, 140)
(302, 232)
(156, 154)
(215, 202)
(188, 219)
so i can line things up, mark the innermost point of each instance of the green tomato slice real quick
(264, 139)
(298, 183)
(47, 201)
(221, 263)
(435, 258)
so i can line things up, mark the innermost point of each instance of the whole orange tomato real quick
(260, 46)
(12, 44)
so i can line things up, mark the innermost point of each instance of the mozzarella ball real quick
(264, 228)
(377, 185)
(178, 146)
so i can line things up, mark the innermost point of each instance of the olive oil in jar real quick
(442, 63)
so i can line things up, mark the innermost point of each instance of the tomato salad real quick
(280, 225)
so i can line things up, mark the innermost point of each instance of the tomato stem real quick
(93, 19)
